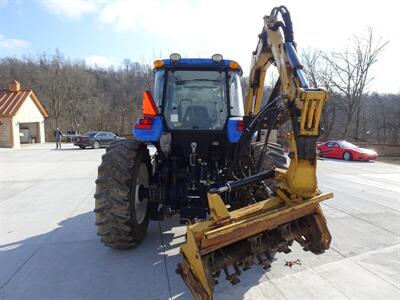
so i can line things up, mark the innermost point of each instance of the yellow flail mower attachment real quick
(233, 241)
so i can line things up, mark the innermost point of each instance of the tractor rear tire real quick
(121, 208)
(274, 156)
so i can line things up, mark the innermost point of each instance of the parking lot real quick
(49, 248)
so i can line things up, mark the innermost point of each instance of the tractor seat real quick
(196, 116)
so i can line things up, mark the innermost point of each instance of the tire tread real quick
(112, 206)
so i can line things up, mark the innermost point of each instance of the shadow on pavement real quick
(70, 262)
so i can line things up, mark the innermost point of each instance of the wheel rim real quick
(96, 145)
(141, 204)
(347, 156)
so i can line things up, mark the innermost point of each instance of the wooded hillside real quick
(81, 97)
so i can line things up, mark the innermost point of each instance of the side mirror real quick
(148, 105)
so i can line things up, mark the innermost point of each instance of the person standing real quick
(58, 135)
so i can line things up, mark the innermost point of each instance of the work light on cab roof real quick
(217, 58)
(175, 57)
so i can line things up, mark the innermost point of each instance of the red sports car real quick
(345, 150)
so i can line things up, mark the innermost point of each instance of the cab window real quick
(158, 87)
(236, 95)
(196, 100)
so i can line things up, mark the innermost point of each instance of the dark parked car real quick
(96, 139)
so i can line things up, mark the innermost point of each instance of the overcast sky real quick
(105, 32)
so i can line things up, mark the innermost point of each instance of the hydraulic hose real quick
(286, 25)
(235, 185)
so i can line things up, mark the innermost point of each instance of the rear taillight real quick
(83, 138)
(239, 125)
(145, 123)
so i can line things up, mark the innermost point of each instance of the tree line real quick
(81, 97)
(353, 113)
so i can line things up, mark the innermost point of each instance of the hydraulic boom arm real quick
(231, 241)
(273, 49)
(303, 104)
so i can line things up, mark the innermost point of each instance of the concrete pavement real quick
(49, 248)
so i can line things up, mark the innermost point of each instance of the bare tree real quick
(393, 120)
(79, 85)
(351, 75)
(53, 75)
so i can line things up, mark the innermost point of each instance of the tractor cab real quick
(197, 101)
(200, 94)
(195, 119)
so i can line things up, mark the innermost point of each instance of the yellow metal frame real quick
(297, 192)
(226, 227)
(313, 102)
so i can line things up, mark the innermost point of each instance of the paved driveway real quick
(49, 248)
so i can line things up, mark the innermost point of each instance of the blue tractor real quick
(213, 163)
(195, 121)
